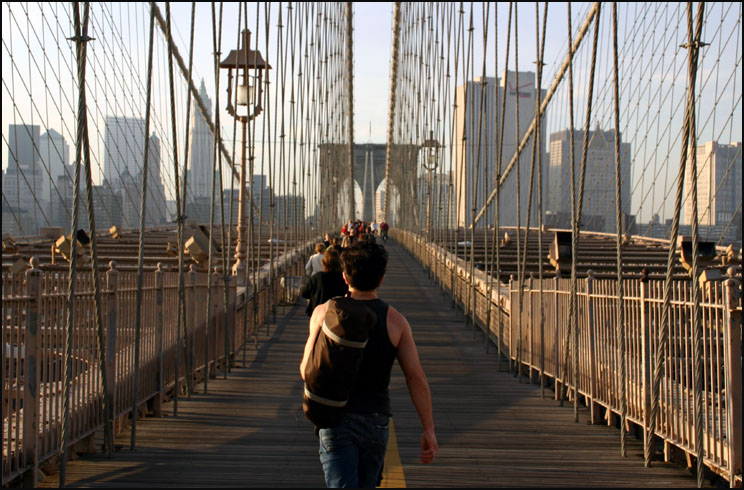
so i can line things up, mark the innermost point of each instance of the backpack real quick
(335, 360)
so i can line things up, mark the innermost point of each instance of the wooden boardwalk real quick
(249, 430)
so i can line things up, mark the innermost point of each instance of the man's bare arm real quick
(418, 386)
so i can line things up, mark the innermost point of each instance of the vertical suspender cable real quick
(535, 161)
(215, 158)
(141, 253)
(620, 321)
(470, 303)
(663, 332)
(350, 95)
(572, 300)
(493, 272)
(538, 94)
(620, 313)
(485, 157)
(187, 338)
(520, 278)
(81, 37)
(499, 156)
(579, 208)
(697, 327)
(180, 218)
(108, 431)
(391, 115)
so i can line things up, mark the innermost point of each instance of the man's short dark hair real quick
(364, 264)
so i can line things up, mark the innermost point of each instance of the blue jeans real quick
(352, 452)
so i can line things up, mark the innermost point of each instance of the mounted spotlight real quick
(706, 253)
(63, 245)
(560, 250)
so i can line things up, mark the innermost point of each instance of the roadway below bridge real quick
(493, 430)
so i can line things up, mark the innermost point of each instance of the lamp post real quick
(247, 97)
(430, 164)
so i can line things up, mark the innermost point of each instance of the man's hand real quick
(429, 446)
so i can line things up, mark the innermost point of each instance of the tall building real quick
(718, 186)
(156, 209)
(23, 182)
(124, 147)
(290, 210)
(105, 207)
(62, 215)
(477, 115)
(599, 210)
(54, 156)
(122, 169)
(262, 194)
(201, 154)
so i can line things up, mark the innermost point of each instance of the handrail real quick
(598, 362)
(33, 335)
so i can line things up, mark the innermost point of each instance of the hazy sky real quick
(37, 59)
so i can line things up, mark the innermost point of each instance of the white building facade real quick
(478, 138)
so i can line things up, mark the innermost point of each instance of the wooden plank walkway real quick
(249, 430)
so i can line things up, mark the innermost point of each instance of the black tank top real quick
(370, 393)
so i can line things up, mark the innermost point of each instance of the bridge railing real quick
(34, 309)
(541, 347)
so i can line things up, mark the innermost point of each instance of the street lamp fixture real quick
(247, 97)
(430, 164)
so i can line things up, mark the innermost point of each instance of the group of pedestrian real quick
(352, 452)
(357, 228)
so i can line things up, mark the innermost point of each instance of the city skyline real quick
(650, 134)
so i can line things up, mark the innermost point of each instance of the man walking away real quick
(352, 452)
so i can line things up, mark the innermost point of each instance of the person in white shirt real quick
(314, 263)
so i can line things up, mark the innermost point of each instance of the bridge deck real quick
(249, 431)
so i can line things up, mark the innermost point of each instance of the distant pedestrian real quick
(313, 264)
(327, 284)
(384, 230)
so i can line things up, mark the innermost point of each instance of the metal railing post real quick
(31, 375)
(556, 334)
(531, 326)
(594, 415)
(211, 356)
(112, 284)
(159, 295)
(513, 311)
(190, 328)
(645, 366)
(733, 336)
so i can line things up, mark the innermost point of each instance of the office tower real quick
(54, 156)
(599, 209)
(156, 210)
(23, 182)
(290, 211)
(478, 134)
(124, 153)
(262, 194)
(718, 185)
(123, 146)
(201, 154)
